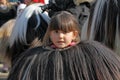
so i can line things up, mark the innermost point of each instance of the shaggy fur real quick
(5, 32)
(104, 24)
(29, 29)
(85, 61)
(81, 11)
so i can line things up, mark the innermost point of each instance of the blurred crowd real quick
(10, 10)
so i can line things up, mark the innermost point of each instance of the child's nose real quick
(61, 35)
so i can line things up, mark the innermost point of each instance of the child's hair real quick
(64, 21)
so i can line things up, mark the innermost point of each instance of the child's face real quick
(62, 39)
(27, 2)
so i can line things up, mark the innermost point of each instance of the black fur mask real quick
(58, 5)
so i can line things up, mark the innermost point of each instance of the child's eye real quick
(56, 31)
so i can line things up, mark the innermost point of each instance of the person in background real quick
(20, 9)
(28, 2)
(79, 8)
(7, 11)
(5, 32)
(104, 24)
(41, 1)
(14, 0)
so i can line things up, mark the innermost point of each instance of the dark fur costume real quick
(28, 31)
(80, 11)
(104, 24)
(85, 61)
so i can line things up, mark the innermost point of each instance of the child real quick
(63, 31)
(87, 60)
